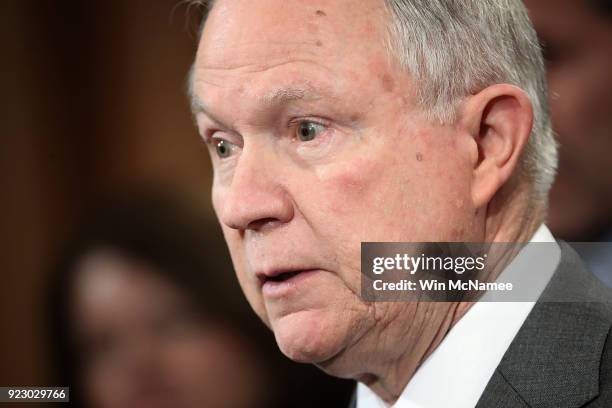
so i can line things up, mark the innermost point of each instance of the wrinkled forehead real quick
(243, 32)
(248, 48)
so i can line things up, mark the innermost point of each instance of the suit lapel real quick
(554, 359)
(500, 394)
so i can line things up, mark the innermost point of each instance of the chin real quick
(309, 336)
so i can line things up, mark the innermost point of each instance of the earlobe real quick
(499, 118)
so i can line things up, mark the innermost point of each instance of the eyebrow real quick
(275, 97)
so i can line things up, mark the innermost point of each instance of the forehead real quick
(245, 37)
(237, 28)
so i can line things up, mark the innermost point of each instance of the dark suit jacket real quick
(562, 355)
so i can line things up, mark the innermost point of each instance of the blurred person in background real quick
(143, 316)
(577, 42)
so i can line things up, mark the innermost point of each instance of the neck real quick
(418, 329)
(512, 217)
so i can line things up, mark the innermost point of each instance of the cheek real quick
(216, 196)
(344, 184)
(249, 286)
(349, 197)
(390, 196)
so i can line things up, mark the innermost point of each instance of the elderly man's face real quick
(317, 146)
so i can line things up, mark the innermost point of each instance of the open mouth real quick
(282, 277)
(283, 285)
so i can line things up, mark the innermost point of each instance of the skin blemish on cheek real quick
(369, 28)
(320, 13)
(419, 156)
(388, 83)
(319, 43)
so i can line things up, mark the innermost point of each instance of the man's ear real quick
(499, 119)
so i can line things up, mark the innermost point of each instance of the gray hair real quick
(454, 48)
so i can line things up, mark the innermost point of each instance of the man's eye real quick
(307, 131)
(224, 148)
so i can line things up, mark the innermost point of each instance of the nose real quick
(256, 197)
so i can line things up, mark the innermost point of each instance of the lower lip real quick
(273, 289)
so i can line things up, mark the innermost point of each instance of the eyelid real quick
(206, 137)
(229, 137)
(317, 120)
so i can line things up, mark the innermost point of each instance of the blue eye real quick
(223, 148)
(307, 131)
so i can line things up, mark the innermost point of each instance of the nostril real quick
(259, 224)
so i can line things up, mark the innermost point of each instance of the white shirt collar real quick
(457, 372)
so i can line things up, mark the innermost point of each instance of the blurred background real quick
(93, 109)
(101, 164)
(97, 133)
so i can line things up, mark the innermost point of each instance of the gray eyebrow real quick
(198, 106)
(282, 95)
(276, 96)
